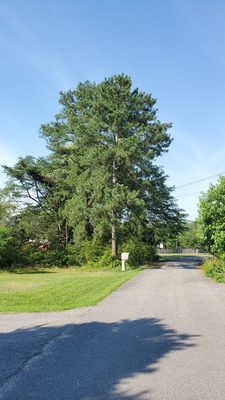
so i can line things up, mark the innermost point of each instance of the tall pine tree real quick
(111, 136)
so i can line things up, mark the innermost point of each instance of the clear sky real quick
(174, 49)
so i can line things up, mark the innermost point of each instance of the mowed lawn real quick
(57, 289)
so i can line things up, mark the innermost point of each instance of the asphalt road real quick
(159, 337)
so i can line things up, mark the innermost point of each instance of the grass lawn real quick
(56, 289)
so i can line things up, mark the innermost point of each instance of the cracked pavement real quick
(161, 336)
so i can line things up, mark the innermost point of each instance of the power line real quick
(200, 180)
(187, 194)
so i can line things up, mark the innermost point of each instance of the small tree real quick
(189, 237)
(7, 247)
(7, 206)
(212, 218)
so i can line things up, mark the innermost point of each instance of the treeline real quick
(208, 231)
(212, 222)
(189, 238)
(99, 191)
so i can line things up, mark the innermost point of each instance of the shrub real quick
(79, 255)
(140, 253)
(30, 254)
(215, 269)
(8, 248)
(105, 261)
(94, 255)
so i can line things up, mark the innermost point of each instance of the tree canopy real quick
(100, 182)
(212, 218)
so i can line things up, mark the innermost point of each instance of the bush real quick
(56, 256)
(81, 254)
(94, 255)
(91, 255)
(105, 261)
(215, 269)
(8, 248)
(32, 255)
(140, 253)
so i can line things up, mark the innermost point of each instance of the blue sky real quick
(174, 49)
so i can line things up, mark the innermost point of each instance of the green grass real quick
(56, 289)
(215, 269)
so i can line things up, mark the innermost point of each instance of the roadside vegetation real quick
(206, 233)
(212, 227)
(215, 269)
(99, 191)
(57, 289)
(188, 238)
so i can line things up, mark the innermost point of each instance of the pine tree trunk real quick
(113, 234)
(66, 233)
(114, 180)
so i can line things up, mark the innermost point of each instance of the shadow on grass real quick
(87, 361)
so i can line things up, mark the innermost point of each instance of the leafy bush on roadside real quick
(105, 261)
(8, 250)
(79, 255)
(31, 255)
(95, 256)
(215, 269)
(140, 253)
(90, 255)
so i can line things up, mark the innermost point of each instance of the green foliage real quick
(56, 256)
(112, 136)
(104, 262)
(189, 237)
(30, 255)
(100, 182)
(75, 256)
(33, 254)
(93, 255)
(139, 252)
(39, 185)
(8, 250)
(215, 269)
(80, 254)
(7, 206)
(212, 218)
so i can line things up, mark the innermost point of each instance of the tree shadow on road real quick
(90, 360)
(190, 262)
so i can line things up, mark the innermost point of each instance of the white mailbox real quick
(124, 257)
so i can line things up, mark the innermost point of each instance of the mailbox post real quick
(124, 258)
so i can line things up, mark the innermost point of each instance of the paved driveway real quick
(159, 337)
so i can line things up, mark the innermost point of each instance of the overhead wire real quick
(200, 180)
(193, 182)
(187, 194)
